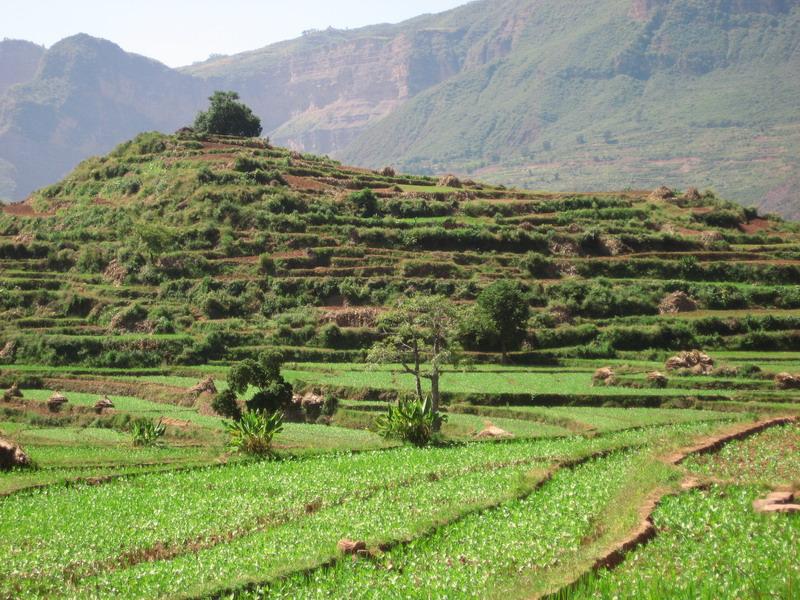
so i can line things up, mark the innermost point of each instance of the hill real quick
(128, 290)
(180, 249)
(536, 93)
(85, 97)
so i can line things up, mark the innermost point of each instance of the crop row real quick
(220, 509)
(710, 545)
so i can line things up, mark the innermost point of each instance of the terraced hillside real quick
(171, 258)
(178, 250)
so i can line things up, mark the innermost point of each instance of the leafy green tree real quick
(228, 116)
(365, 203)
(421, 334)
(273, 392)
(504, 309)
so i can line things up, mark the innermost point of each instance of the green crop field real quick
(159, 301)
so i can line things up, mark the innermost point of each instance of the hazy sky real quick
(179, 32)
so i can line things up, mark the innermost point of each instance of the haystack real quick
(11, 455)
(102, 404)
(604, 376)
(9, 348)
(699, 362)
(491, 430)
(449, 181)
(662, 193)
(205, 386)
(676, 302)
(692, 195)
(657, 379)
(388, 172)
(709, 237)
(56, 401)
(787, 381)
(115, 273)
(13, 391)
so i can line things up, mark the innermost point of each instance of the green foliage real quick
(273, 392)
(410, 421)
(504, 307)
(253, 432)
(226, 405)
(228, 116)
(364, 203)
(146, 432)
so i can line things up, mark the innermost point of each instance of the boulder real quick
(700, 362)
(11, 455)
(347, 546)
(56, 401)
(787, 381)
(604, 376)
(676, 302)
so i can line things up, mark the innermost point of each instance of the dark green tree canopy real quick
(228, 116)
(273, 391)
(505, 309)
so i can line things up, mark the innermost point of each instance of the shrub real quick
(364, 203)
(146, 432)
(266, 264)
(225, 405)
(227, 116)
(410, 421)
(253, 433)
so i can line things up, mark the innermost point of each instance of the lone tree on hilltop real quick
(228, 116)
(420, 334)
(504, 309)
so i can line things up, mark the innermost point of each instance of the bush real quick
(146, 432)
(364, 203)
(225, 405)
(410, 421)
(253, 433)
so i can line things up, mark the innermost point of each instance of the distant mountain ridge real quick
(539, 93)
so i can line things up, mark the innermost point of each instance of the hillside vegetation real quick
(542, 94)
(179, 250)
(135, 292)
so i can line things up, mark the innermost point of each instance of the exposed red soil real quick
(755, 225)
(23, 209)
(304, 183)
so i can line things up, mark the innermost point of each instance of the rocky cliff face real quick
(18, 62)
(86, 96)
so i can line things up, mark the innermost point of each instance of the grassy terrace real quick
(174, 257)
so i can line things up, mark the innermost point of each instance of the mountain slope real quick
(87, 95)
(537, 93)
(319, 92)
(616, 94)
(184, 249)
(18, 62)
